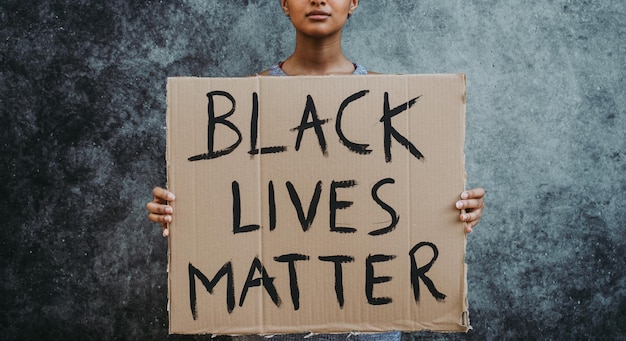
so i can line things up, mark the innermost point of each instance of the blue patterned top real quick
(276, 70)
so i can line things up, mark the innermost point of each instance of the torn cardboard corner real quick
(316, 204)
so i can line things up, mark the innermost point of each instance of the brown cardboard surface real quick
(328, 161)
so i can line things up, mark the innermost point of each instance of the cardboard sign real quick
(316, 204)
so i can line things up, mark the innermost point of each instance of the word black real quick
(310, 120)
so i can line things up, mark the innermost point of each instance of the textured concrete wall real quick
(82, 103)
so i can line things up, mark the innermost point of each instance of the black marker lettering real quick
(213, 121)
(370, 279)
(338, 260)
(265, 280)
(355, 147)
(292, 258)
(254, 125)
(417, 273)
(237, 228)
(226, 270)
(394, 217)
(390, 131)
(272, 204)
(316, 124)
(339, 205)
(305, 222)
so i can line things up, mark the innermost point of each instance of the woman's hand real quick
(471, 206)
(159, 210)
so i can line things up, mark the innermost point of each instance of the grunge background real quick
(82, 101)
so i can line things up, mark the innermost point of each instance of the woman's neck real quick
(317, 57)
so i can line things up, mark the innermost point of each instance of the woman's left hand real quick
(471, 206)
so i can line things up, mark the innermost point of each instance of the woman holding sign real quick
(318, 26)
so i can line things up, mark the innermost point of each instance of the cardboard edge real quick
(167, 175)
(465, 320)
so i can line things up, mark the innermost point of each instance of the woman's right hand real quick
(159, 210)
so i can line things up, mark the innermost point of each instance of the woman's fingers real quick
(162, 195)
(159, 210)
(471, 206)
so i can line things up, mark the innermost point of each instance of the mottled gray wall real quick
(82, 102)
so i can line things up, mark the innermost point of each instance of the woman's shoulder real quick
(362, 70)
(274, 70)
(267, 73)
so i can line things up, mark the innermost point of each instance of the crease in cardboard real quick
(465, 321)
(410, 228)
(259, 169)
(167, 168)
